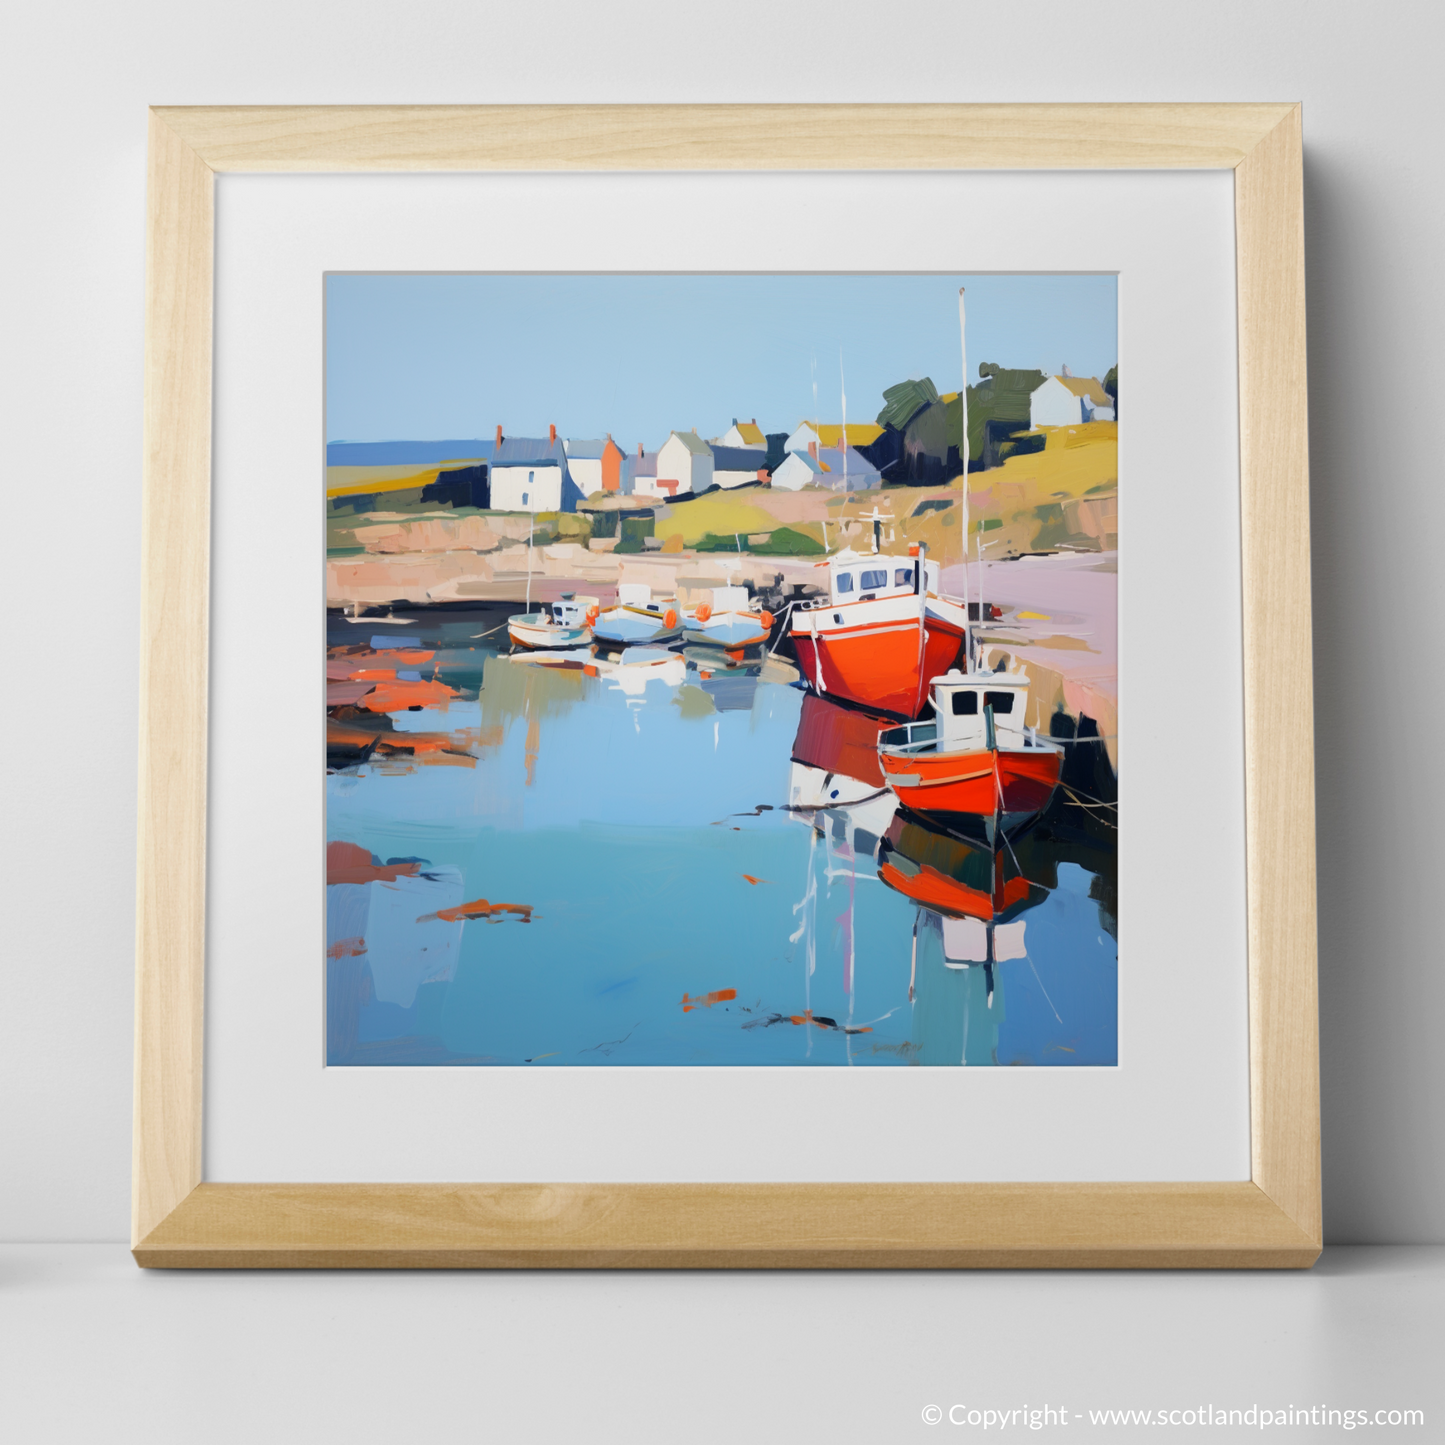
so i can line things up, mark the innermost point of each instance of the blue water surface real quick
(685, 908)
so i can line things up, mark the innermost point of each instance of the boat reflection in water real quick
(836, 786)
(971, 901)
(835, 780)
(730, 679)
(972, 944)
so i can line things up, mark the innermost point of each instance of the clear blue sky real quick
(449, 356)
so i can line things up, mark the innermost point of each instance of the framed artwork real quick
(583, 694)
(722, 692)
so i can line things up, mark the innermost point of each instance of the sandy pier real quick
(1060, 622)
(503, 574)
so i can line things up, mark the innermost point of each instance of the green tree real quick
(998, 406)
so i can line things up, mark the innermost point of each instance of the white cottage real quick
(529, 474)
(744, 434)
(584, 462)
(738, 466)
(798, 470)
(836, 468)
(1069, 401)
(639, 474)
(684, 465)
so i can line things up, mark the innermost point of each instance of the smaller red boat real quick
(975, 758)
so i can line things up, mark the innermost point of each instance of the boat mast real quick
(531, 521)
(968, 647)
(843, 442)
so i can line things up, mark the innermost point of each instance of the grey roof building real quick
(529, 452)
(859, 472)
(693, 443)
(520, 458)
(637, 464)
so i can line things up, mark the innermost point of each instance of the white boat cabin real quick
(729, 599)
(637, 597)
(855, 577)
(965, 703)
(572, 610)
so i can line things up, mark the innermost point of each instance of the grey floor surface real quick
(94, 1349)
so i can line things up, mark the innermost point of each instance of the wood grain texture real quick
(720, 137)
(702, 1226)
(1279, 698)
(175, 557)
(1274, 1221)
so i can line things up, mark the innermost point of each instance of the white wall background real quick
(76, 83)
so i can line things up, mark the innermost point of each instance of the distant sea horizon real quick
(402, 453)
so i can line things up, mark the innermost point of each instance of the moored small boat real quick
(567, 623)
(638, 617)
(975, 759)
(729, 621)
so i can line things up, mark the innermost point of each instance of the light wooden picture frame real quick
(1271, 1220)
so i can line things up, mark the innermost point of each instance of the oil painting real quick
(721, 670)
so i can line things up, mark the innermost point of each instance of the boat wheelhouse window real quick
(873, 579)
(903, 576)
(845, 582)
(999, 701)
(965, 704)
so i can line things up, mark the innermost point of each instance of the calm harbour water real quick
(703, 878)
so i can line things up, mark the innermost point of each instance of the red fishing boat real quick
(975, 759)
(881, 632)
